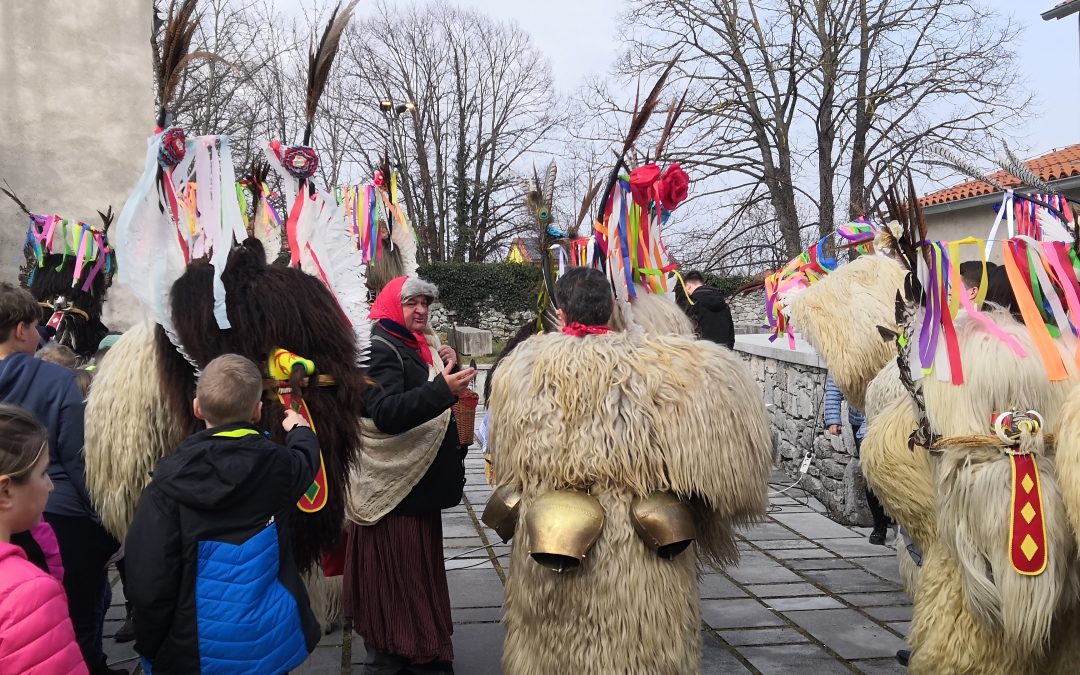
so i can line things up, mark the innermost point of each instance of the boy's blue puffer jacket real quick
(212, 581)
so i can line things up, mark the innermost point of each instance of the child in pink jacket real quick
(36, 637)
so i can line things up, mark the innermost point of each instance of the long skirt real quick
(395, 587)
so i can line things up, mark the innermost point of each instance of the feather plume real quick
(675, 110)
(1016, 167)
(586, 202)
(549, 184)
(106, 219)
(11, 195)
(180, 28)
(965, 167)
(321, 59)
(642, 115)
(637, 125)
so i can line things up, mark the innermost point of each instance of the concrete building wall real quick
(76, 108)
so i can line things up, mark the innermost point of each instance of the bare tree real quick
(253, 91)
(482, 99)
(786, 93)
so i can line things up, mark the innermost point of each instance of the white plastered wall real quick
(76, 106)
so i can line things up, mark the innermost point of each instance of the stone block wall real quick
(502, 325)
(748, 310)
(793, 387)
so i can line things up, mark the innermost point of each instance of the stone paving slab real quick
(808, 596)
(849, 633)
(762, 636)
(787, 659)
(812, 602)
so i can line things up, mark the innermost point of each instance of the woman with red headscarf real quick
(411, 468)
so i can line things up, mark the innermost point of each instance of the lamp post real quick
(393, 113)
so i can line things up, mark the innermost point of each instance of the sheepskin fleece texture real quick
(624, 415)
(659, 315)
(1068, 458)
(324, 594)
(839, 316)
(974, 486)
(955, 505)
(131, 423)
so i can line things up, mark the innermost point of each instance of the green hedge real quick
(727, 285)
(468, 288)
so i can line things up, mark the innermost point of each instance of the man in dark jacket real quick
(212, 587)
(709, 311)
(50, 392)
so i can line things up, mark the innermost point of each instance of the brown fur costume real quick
(624, 415)
(269, 306)
(973, 613)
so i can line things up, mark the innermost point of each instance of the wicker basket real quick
(465, 411)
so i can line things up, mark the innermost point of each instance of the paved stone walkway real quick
(808, 596)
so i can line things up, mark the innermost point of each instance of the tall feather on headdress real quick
(321, 60)
(174, 56)
(675, 110)
(583, 212)
(7, 189)
(637, 125)
(538, 201)
(1013, 164)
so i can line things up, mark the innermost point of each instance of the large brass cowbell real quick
(563, 525)
(501, 511)
(664, 523)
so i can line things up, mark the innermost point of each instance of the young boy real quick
(210, 574)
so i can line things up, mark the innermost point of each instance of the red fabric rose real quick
(641, 181)
(673, 187)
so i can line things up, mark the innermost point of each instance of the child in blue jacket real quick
(210, 574)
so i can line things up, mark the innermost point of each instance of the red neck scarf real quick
(390, 315)
(581, 330)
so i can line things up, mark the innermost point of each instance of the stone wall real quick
(748, 309)
(793, 386)
(502, 325)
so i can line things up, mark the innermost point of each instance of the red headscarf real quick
(388, 311)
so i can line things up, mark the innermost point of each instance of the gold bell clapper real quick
(501, 512)
(563, 525)
(664, 522)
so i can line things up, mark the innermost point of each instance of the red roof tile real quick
(1055, 165)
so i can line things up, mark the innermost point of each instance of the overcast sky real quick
(579, 38)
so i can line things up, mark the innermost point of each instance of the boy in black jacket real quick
(211, 577)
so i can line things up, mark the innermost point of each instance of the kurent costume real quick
(962, 409)
(616, 466)
(223, 271)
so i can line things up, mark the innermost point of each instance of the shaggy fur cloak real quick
(269, 306)
(624, 415)
(973, 613)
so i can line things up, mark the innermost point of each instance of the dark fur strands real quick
(53, 280)
(271, 306)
